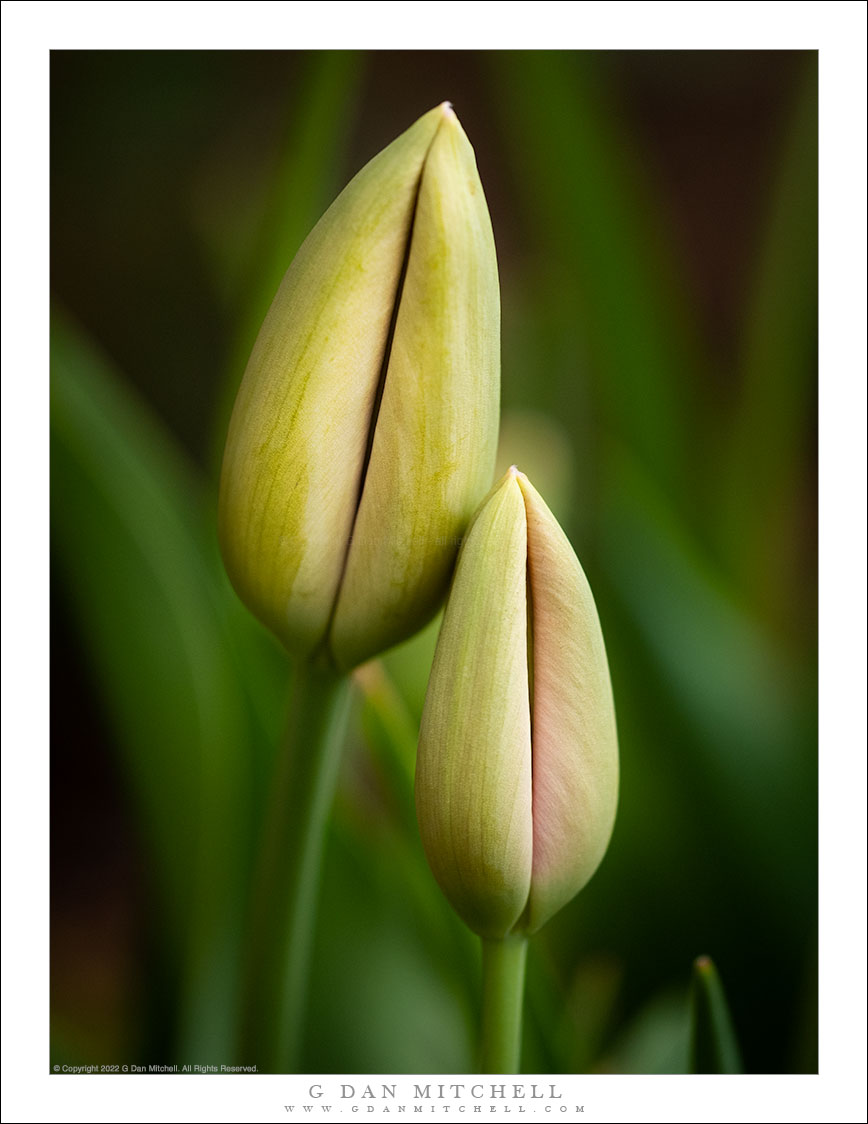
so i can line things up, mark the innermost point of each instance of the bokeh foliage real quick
(656, 221)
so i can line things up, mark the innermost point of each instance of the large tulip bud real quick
(517, 772)
(365, 428)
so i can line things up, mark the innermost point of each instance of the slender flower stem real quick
(503, 964)
(286, 890)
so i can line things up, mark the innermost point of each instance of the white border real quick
(838, 29)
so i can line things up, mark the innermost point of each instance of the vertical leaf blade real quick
(713, 1044)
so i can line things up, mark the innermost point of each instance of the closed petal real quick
(435, 440)
(299, 432)
(575, 747)
(473, 773)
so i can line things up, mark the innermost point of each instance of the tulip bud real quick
(517, 771)
(364, 432)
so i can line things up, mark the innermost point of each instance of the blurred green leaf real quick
(390, 981)
(729, 678)
(771, 445)
(713, 1045)
(655, 1041)
(609, 269)
(133, 546)
(589, 1011)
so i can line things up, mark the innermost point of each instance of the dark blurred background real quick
(655, 215)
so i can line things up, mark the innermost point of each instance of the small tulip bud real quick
(365, 429)
(517, 771)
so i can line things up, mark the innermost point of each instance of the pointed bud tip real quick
(449, 118)
(511, 476)
(515, 473)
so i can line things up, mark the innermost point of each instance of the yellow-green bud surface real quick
(517, 772)
(364, 432)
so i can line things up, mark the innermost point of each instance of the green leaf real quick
(730, 679)
(608, 270)
(391, 985)
(713, 1045)
(133, 549)
(654, 1040)
(770, 445)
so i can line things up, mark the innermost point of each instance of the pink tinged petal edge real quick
(574, 739)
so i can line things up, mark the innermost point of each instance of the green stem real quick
(503, 964)
(286, 889)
